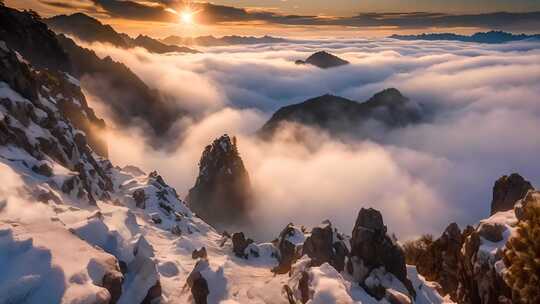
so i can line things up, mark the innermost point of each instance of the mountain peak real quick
(323, 60)
(222, 194)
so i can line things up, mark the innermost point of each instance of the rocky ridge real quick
(91, 30)
(342, 117)
(468, 265)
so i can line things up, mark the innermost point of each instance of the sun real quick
(186, 17)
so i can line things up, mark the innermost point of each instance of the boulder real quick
(198, 284)
(492, 232)
(199, 254)
(112, 281)
(372, 248)
(321, 247)
(288, 251)
(240, 243)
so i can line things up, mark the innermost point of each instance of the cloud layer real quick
(486, 123)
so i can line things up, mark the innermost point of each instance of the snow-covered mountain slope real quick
(74, 228)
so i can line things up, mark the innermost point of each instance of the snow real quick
(7, 92)
(73, 80)
(487, 252)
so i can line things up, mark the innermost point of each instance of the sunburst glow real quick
(187, 17)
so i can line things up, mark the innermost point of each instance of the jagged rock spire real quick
(222, 194)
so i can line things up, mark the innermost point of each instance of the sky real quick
(160, 18)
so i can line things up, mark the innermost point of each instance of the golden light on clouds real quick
(187, 17)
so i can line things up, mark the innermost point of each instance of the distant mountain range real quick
(343, 117)
(482, 37)
(89, 29)
(222, 41)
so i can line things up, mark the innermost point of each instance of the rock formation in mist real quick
(468, 265)
(129, 98)
(222, 194)
(89, 29)
(323, 60)
(344, 117)
(507, 191)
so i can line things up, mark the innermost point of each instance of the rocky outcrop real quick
(346, 118)
(323, 60)
(442, 259)
(371, 249)
(289, 248)
(222, 194)
(468, 265)
(240, 243)
(52, 119)
(112, 281)
(324, 246)
(507, 191)
(198, 284)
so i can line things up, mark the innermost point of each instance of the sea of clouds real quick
(485, 101)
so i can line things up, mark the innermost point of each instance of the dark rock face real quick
(507, 191)
(140, 198)
(200, 290)
(343, 117)
(372, 248)
(323, 60)
(89, 29)
(321, 247)
(288, 252)
(26, 33)
(133, 99)
(153, 293)
(240, 243)
(86, 28)
(198, 284)
(222, 194)
(199, 254)
(112, 281)
(442, 260)
(65, 144)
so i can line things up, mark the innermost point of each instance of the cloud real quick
(485, 100)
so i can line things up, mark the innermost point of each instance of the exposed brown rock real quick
(372, 248)
(507, 191)
(222, 194)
